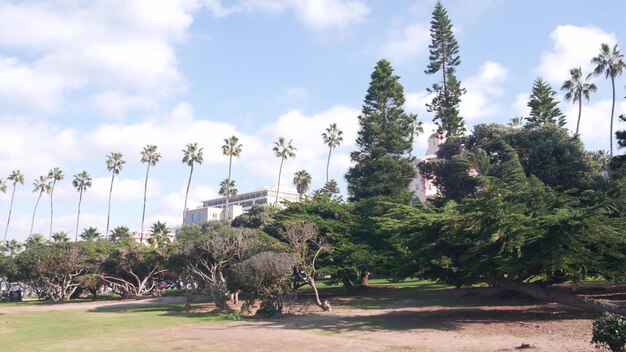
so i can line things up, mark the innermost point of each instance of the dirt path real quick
(415, 324)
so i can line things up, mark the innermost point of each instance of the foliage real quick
(120, 233)
(90, 234)
(115, 164)
(256, 218)
(265, 276)
(609, 330)
(382, 165)
(577, 88)
(444, 57)
(302, 181)
(544, 107)
(332, 137)
(283, 151)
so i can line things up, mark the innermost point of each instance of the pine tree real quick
(382, 165)
(444, 57)
(544, 107)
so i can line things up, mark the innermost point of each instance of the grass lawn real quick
(100, 329)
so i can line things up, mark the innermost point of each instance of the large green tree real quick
(192, 155)
(609, 62)
(16, 177)
(444, 58)
(82, 181)
(382, 167)
(544, 107)
(55, 175)
(42, 184)
(115, 164)
(231, 148)
(150, 156)
(576, 88)
(283, 151)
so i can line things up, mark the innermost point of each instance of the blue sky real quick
(83, 79)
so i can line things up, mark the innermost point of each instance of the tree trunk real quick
(365, 277)
(324, 305)
(279, 174)
(230, 161)
(553, 295)
(51, 209)
(9, 218)
(330, 149)
(80, 199)
(106, 234)
(580, 109)
(612, 111)
(187, 193)
(32, 223)
(145, 191)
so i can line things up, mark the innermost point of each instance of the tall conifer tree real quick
(382, 164)
(544, 107)
(444, 58)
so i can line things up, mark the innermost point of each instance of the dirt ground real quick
(385, 320)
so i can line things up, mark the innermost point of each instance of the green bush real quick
(610, 331)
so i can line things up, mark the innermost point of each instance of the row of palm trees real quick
(191, 155)
(610, 63)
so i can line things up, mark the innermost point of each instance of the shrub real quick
(610, 331)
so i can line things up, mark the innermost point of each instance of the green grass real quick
(103, 329)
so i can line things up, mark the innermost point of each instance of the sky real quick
(82, 79)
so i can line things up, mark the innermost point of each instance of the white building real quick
(421, 187)
(213, 209)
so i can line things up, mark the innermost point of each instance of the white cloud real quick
(573, 47)
(294, 95)
(595, 123)
(321, 16)
(520, 106)
(408, 43)
(99, 46)
(478, 102)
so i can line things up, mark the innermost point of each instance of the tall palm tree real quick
(90, 234)
(60, 236)
(120, 233)
(42, 184)
(302, 181)
(609, 62)
(282, 151)
(192, 155)
(115, 164)
(332, 138)
(576, 88)
(230, 148)
(55, 175)
(227, 189)
(150, 156)
(82, 181)
(160, 234)
(17, 177)
(34, 240)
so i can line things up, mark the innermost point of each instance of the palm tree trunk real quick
(106, 234)
(230, 161)
(80, 199)
(32, 223)
(145, 191)
(612, 111)
(6, 231)
(187, 193)
(330, 149)
(51, 209)
(278, 186)
(580, 109)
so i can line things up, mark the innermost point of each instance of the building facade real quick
(421, 187)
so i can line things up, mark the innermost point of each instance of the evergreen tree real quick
(444, 57)
(382, 165)
(544, 108)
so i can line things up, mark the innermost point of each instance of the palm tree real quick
(577, 88)
(160, 234)
(230, 148)
(150, 156)
(60, 236)
(34, 240)
(302, 181)
(13, 246)
(120, 233)
(192, 155)
(282, 151)
(55, 175)
(611, 64)
(42, 184)
(115, 163)
(90, 234)
(81, 182)
(227, 189)
(332, 138)
(17, 177)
